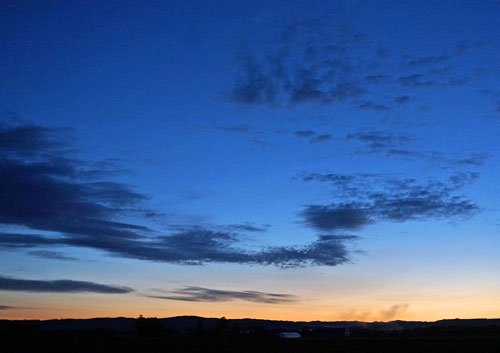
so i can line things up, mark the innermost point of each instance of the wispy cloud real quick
(58, 286)
(312, 136)
(248, 227)
(200, 294)
(318, 62)
(45, 183)
(394, 312)
(241, 128)
(321, 138)
(428, 60)
(305, 133)
(473, 160)
(6, 307)
(390, 144)
(402, 99)
(301, 68)
(363, 199)
(377, 78)
(370, 105)
(381, 141)
(421, 80)
(416, 81)
(51, 255)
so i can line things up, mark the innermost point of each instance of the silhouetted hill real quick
(468, 322)
(189, 323)
(197, 334)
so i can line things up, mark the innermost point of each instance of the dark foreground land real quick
(245, 336)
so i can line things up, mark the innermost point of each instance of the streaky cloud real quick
(402, 99)
(51, 255)
(420, 80)
(50, 195)
(201, 294)
(301, 68)
(305, 133)
(338, 216)
(321, 138)
(248, 227)
(428, 60)
(401, 145)
(380, 141)
(377, 78)
(313, 136)
(370, 105)
(364, 199)
(28, 139)
(393, 312)
(58, 286)
(416, 81)
(316, 62)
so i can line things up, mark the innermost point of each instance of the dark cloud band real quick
(6, 307)
(58, 286)
(367, 198)
(45, 191)
(200, 294)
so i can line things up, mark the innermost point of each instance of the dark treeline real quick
(194, 334)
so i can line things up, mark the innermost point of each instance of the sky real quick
(294, 160)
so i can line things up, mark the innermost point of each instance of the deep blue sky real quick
(343, 155)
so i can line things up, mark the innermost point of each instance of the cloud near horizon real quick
(58, 286)
(6, 307)
(200, 294)
(394, 312)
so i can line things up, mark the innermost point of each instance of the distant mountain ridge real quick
(189, 323)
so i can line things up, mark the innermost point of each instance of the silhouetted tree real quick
(222, 327)
(199, 331)
(149, 326)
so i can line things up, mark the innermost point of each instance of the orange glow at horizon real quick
(424, 309)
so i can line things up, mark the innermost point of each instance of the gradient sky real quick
(314, 160)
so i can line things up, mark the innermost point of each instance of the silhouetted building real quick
(289, 335)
